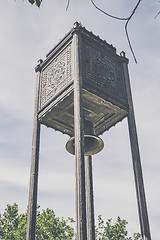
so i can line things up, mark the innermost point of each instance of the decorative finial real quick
(77, 24)
(122, 54)
(38, 68)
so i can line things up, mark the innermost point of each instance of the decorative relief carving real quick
(104, 71)
(56, 75)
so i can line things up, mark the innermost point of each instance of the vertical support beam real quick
(141, 199)
(32, 202)
(90, 199)
(79, 139)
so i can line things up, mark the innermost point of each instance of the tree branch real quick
(109, 15)
(127, 19)
(157, 15)
(67, 5)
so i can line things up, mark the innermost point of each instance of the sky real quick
(27, 34)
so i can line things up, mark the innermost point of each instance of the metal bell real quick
(92, 143)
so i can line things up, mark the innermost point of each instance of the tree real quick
(116, 231)
(13, 226)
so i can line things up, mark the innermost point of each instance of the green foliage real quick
(48, 226)
(116, 231)
(13, 226)
(37, 2)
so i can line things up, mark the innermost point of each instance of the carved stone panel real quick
(56, 76)
(104, 71)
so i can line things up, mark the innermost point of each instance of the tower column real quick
(33, 187)
(141, 199)
(79, 141)
(89, 199)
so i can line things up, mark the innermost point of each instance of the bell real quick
(92, 143)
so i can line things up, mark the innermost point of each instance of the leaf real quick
(38, 2)
(31, 1)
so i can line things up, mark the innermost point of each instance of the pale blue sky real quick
(26, 35)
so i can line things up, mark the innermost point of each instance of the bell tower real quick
(83, 89)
